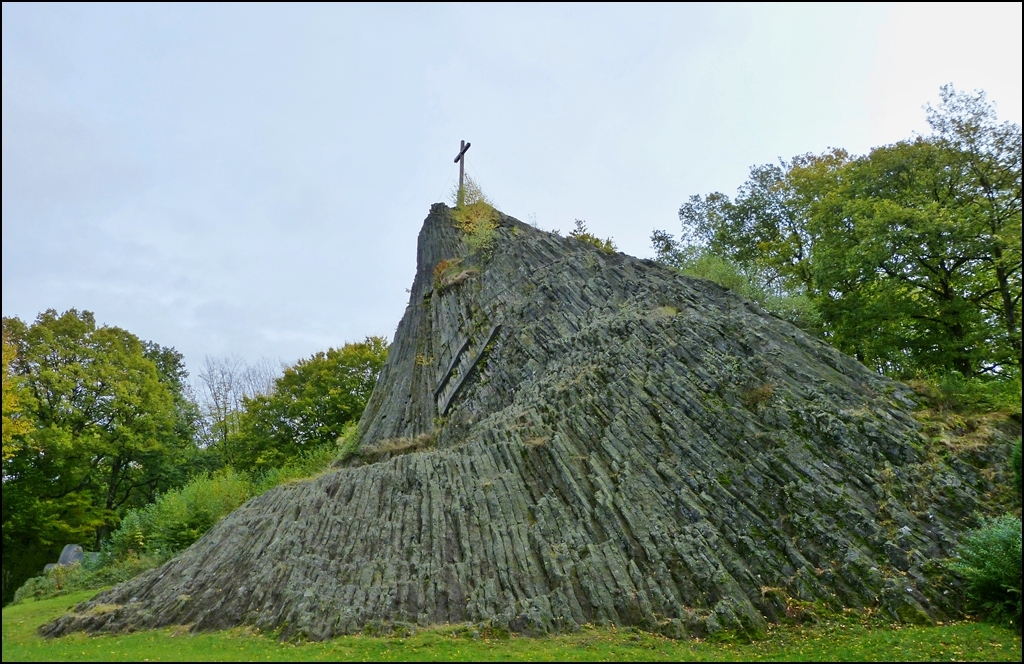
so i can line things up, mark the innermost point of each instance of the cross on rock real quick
(461, 161)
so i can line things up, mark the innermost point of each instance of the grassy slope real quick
(828, 641)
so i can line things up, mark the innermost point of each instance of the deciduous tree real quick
(15, 424)
(309, 406)
(106, 433)
(910, 255)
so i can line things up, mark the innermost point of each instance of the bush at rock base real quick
(990, 560)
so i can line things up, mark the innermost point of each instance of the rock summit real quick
(562, 435)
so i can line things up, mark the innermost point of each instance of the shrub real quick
(177, 518)
(474, 214)
(450, 272)
(793, 307)
(130, 537)
(990, 561)
(180, 517)
(308, 464)
(348, 442)
(758, 395)
(87, 575)
(183, 516)
(481, 239)
(471, 193)
(581, 234)
(978, 394)
(149, 536)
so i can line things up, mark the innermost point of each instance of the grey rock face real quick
(568, 437)
(71, 554)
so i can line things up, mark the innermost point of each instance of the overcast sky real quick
(250, 179)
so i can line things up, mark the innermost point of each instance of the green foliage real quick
(180, 517)
(581, 234)
(15, 425)
(348, 442)
(1015, 465)
(909, 257)
(293, 433)
(131, 535)
(892, 242)
(65, 580)
(844, 640)
(177, 518)
(471, 193)
(310, 406)
(306, 465)
(990, 560)
(474, 215)
(979, 394)
(170, 366)
(723, 272)
(150, 535)
(480, 240)
(109, 430)
(703, 264)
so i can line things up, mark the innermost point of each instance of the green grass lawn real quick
(835, 640)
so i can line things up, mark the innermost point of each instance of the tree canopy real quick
(103, 426)
(309, 406)
(15, 426)
(910, 255)
(99, 426)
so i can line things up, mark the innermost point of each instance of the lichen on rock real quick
(569, 436)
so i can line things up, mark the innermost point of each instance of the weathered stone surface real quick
(568, 436)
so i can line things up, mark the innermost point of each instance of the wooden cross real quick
(461, 161)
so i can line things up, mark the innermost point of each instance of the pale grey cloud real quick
(920, 47)
(251, 179)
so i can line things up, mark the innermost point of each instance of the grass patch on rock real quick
(849, 638)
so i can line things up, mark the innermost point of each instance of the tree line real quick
(99, 424)
(907, 258)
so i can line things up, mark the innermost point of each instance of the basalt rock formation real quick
(564, 436)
